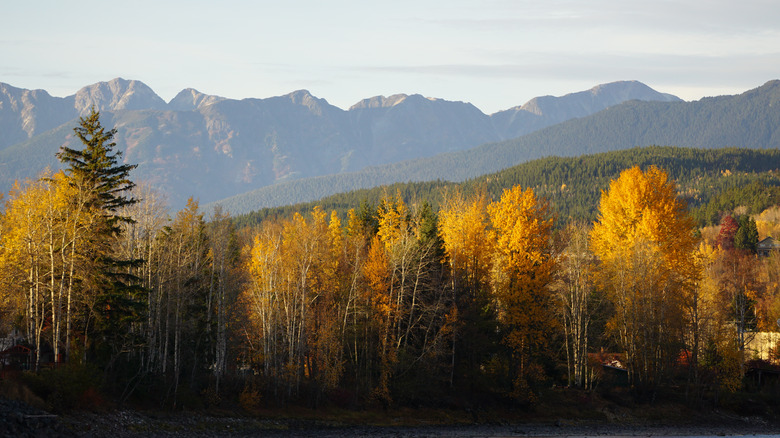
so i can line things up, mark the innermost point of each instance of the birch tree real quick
(224, 281)
(575, 295)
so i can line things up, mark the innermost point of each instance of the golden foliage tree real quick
(644, 240)
(295, 305)
(401, 270)
(45, 255)
(521, 275)
(737, 273)
(464, 227)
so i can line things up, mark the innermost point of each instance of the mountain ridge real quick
(750, 120)
(212, 147)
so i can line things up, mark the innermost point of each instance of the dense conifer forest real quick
(711, 180)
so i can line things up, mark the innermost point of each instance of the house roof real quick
(16, 349)
(768, 242)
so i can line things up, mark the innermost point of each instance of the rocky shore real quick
(133, 424)
(20, 420)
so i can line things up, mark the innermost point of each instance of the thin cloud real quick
(720, 17)
(698, 68)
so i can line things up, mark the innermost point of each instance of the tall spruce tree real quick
(114, 297)
(746, 237)
(96, 168)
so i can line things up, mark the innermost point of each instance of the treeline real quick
(408, 299)
(711, 180)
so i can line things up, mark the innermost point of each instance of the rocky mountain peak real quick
(303, 97)
(306, 99)
(117, 94)
(379, 102)
(191, 99)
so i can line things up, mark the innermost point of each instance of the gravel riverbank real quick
(131, 424)
(20, 420)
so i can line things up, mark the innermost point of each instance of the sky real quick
(495, 54)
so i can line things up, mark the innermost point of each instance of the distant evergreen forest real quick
(711, 180)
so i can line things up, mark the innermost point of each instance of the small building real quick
(13, 337)
(610, 368)
(766, 246)
(14, 359)
(762, 345)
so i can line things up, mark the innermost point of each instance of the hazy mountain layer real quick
(210, 147)
(749, 120)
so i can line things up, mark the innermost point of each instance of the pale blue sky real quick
(493, 53)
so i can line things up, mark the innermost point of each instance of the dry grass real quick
(14, 390)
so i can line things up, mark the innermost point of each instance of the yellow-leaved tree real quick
(296, 310)
(464, 227)
(43, 256)
(403, 272)
(522, 271)
(645, 242)
(714, 354)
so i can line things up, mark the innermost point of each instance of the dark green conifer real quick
(747, 234)
(104, 184)
(96, 167)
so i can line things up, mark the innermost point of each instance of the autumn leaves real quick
(369, 303)
(388, 303)
(645, 242)
(501, 262)
(479, 295)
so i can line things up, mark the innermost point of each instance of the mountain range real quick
(748, 120)
(211, 148)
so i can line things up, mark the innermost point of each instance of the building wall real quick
(761, 344)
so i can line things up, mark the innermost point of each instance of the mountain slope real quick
(750, 120)
(541, 112)
(26, 113)
(430, 126)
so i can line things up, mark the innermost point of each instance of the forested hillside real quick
(711, 180)
(748, 120)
